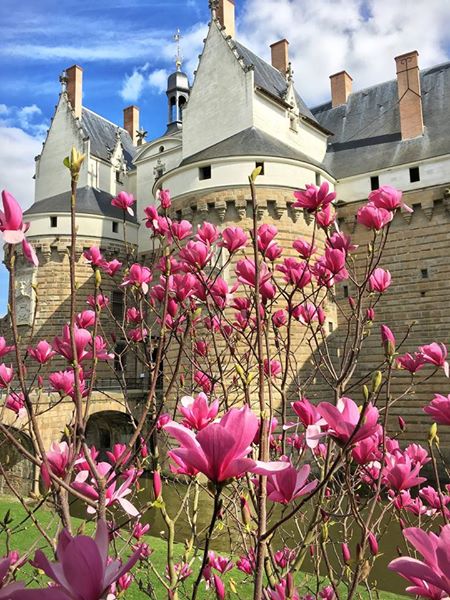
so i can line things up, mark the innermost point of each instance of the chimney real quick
(409, 96)
(341, 88)
(131, 122)
(225, 14)
(280, 55)
(75, 88)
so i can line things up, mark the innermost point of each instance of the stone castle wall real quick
(417, 255)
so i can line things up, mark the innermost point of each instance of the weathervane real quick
(178, 57)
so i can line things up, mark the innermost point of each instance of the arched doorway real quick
(106, 428)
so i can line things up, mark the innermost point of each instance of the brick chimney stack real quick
(226, 15)
(280, 55)
(131, 122)
(341, 88)
(409, 95)
(75, 88)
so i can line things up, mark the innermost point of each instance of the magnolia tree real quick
(281, 482)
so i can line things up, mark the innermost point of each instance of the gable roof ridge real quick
(232, 44)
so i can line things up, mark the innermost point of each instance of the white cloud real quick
(133, 85)
(17, 152)
(158, 80)
(28, 118)
(362, 37)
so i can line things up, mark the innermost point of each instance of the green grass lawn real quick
(25, 538)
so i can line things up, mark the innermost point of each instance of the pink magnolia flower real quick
(233, 239)
(94, 256)
(220, 450)
(295, 273)
(42, 353)
(85, 319)
(197, 412)
(344, 418)
(366, 450)
(417, 454)
(16, 402)
(11, 220)
(346, 555)
(326, 217)
(314, 198)
(245, 270)
(439, 409)
(272, 368)
(164, 198)
(273, 252)
(4, 348)
(6, 375)
(196, 254)
(111, 267)
(63, 345)
(58, 458)
(140, 530)
(400, 473)
(341, 241)
(304, 248)
(139, 276)
(246, 564)
(114, 494)
(137, 335)
(83, 570)
(101, 301)
(64, 383)
(266, 234)
(435, 354)
(202, 380)
(11, 591)
(411, 363)
(29, 252)
(380, 280)
(221, 563)
(285, 590)
(125, 202)
(287, 485)
(120, 452)
(374, 218)
(307, 313)
(279, 318)
(134, 315)
(181, 230)
(388, 198)
(431, 576)
(284, 557)
(207, 233)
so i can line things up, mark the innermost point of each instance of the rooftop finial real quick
(178, 57)
(213, 5)
(63, 79)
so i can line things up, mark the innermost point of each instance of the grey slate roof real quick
(102, 135)
(250, 142)
(270, 79)
(366, 130)
(90, 201)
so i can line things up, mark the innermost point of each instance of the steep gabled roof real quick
(90, 201)
(270, 79)
(251, 142)
(367, 135)
(103, 135)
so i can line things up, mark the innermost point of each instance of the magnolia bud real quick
(157, 485)
(402, 423)
(98, 278)
(377, 380)
(366, 393)
(245, 511)
(345, 553)
(373, 544)
(351, 302)
(433, 436)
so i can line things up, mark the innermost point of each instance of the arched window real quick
(181, 105)
(173, 109)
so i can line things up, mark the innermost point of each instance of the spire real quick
(178, 56)
(63, 80)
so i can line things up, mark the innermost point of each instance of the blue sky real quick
(126, 49)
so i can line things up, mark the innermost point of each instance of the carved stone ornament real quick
(25, 296)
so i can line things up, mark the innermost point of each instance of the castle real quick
(238, 113)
